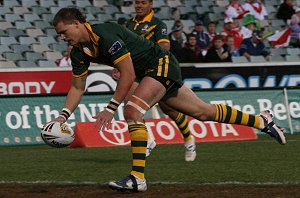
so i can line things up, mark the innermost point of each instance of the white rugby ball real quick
(57, 134)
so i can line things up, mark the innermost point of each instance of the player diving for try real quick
(159, 77)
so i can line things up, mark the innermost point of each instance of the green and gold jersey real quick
(111, 43)
(151, 28)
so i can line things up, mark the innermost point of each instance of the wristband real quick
(109, 110)
(112, 106)
(65, 113)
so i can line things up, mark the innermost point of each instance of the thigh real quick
(131, 91)
(150, 90)
(187, 102)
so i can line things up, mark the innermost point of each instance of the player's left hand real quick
(115, 74)
(103, 120)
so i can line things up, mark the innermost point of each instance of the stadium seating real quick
(174, 3)
(158, 4)
(26, 63)
(102, 17)
(47, 3)
(40, 10)
(61, 47)
(277, 58)
(186, 12)
(46, 63)
(93, 10)
(272, 3)
(46, 40)
(26, 25)
(8, 40)
(5, 48)
(16, 32)
(7, 64)
(23, 25)
(13, 56)
(239, 59)
(42, 24)
(20, 48)
(5, 10)
(47, 17)
(293, 51)
(31, 17)
(29, 3)
(5, 25)
(164, 13)
(20, 10)
(278, 51)
(292, 58)
(206, 3)
(65, 3)
(278, 23)
(11, 3)
(257, 59)
(54, 9)
(27, 40)
(188, 25)
(50, 32)
(1, 58)
(3, 33)
(82, 3)
(100, 3)
(34, 32)
(222, 3)
(53, 55)
(128, 9)
(40, 48)
(12, 17)
(201, 10)
(122, 15)
(191, 3)
(89, 17)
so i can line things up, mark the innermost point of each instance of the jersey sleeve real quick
(80, 64)
(115, 48)
(161, 33)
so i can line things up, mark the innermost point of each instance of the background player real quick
(144, 23)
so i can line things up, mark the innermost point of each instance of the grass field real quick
(247, 162)
(260, 168)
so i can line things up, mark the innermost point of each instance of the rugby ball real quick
(57, 134)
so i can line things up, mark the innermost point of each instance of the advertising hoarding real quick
(216, 76)
(21, 117)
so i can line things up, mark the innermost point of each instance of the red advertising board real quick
(163, 130)
(52, 81)
(34, 82)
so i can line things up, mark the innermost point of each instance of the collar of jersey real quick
(147, 18)
(95, 38)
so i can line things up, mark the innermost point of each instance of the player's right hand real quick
(59, 119)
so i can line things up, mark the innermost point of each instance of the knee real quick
(168, 111)
(203, 116)
(131, 114)
(164, 108)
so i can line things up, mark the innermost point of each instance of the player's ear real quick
(76, 22)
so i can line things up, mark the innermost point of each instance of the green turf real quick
(258, 161)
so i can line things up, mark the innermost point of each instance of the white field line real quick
(258, 141)
(156, 182)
